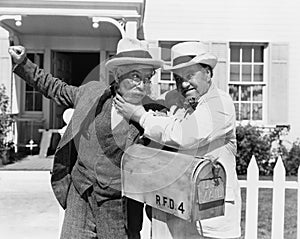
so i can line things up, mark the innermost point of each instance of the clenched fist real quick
(18, 53)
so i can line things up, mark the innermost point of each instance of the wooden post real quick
(278, 200)
(252, 200)
(298, 205)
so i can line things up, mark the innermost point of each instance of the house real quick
(257, 44)
(70, 39)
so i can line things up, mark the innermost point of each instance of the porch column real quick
(5, 62)
(7, 78)
(131, 29)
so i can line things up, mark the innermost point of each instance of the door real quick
(62, 69)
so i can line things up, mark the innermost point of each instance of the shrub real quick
(292, 162)
(252, 141)
(6, 120)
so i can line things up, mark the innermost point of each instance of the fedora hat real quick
(132, 51)
(190, 53)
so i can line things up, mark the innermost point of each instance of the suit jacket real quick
(84, 100)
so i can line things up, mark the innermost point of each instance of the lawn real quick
(265, 212)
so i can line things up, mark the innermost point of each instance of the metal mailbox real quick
(189, 187)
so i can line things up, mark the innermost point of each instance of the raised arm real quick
(49, 86)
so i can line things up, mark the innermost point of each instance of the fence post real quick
(298, 212)
(278, 200)
(252, 200)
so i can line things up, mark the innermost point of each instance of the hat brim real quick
(206, 59)
(112, 64)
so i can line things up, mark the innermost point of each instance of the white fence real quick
(252, 184)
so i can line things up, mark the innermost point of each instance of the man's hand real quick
(18, 53)
(128, 110)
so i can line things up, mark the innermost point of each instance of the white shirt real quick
(116, 117)
(209, 131)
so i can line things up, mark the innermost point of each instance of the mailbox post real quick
(181, 185)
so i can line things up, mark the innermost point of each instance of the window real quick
(34, 99)
(111, 76)
(247, 80)
(166, 81)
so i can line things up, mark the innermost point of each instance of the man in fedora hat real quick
(88, 185)
(207, 128)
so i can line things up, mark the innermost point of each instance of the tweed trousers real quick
(85, 218)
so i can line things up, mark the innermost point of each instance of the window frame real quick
(170, 83)
(29, 113)
(264, 83)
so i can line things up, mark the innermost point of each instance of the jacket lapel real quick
(85, 106)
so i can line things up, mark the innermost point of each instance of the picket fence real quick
(279, 184)
(252, 185)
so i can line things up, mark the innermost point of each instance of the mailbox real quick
(192, 188)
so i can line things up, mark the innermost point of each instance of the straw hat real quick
(189, 53)
(132, 51)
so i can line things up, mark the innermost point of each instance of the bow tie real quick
(193, 103)
(190, 105)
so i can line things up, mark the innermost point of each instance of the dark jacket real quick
(84, 100)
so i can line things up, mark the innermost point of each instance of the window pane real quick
(245, 93)
(245, 111)
(257, 93)
(234, 72)
(40, 60)
(165, 87)
(166, 54)
(33, 99)
(29, 88)
(235, 54)
(257, 111)
(234, 92)
(237, 112)
(29, 102)
(246, 55)
(258, 73)
(38, 102)
(165, 76)
(258, 54)
(246, 73)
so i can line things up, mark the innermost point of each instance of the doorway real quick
(72, 68)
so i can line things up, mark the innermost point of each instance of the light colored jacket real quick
(208, 131)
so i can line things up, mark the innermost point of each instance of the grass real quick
(265, 212)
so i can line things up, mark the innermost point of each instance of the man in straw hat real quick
(88, 185)
(207, 128)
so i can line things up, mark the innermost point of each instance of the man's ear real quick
(208, 72)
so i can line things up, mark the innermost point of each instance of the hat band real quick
(135, 54)
(182, 59)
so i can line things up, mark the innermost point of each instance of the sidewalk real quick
(32, 163)
(28, 208)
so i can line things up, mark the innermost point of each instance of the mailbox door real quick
(209, 197)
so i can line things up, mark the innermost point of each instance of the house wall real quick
(233, 21)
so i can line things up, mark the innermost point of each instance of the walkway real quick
(31, 163)
(28, 208)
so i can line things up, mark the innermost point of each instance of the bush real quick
(6, 120)
(252, 141)
(266, 148)
(292, 162)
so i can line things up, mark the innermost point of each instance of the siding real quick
(233, 21)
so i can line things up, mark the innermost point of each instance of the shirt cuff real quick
(144, 117)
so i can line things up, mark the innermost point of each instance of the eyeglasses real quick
(137, 77)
